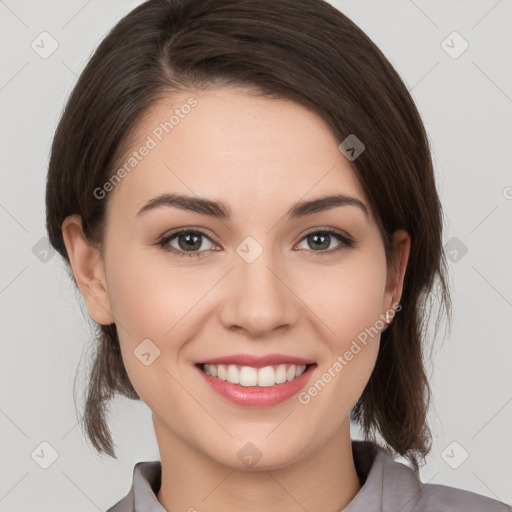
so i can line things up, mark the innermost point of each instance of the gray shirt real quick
(388, 486)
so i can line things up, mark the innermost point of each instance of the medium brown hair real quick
(303, 50)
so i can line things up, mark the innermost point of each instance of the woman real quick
(245, 196)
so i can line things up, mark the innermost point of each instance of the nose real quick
(257, 298)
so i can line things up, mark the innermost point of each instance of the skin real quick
(259, 156)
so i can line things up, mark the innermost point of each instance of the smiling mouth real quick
(256, 377)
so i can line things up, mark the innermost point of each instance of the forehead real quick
(247, 150)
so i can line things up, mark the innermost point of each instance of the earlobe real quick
(88, 269)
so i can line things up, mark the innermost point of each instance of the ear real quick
(88, 269)
(398, 264)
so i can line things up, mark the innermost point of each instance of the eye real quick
(321, 240)
(188, 243)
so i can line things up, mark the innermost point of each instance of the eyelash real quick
(164, 241)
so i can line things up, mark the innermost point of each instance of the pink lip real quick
(254, 396)
(257, 361)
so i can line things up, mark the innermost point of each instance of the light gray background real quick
(466, 104)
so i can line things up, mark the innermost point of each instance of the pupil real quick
(316, 238)
(189, 244)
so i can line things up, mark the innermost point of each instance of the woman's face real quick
(256, 281)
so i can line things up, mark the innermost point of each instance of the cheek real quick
(348, 299)
(349, 302)
(352, 311)
(154, 299)
(147, 296)
(148, 302)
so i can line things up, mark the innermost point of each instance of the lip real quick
(257, 361)
(254, 396)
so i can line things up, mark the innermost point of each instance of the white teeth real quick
(280, 375)
(222, 374)
(299, 370)
(267, 377)
(233, 374)
(249, 376)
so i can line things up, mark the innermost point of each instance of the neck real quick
(191, 481)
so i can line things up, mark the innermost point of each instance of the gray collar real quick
(387, 486)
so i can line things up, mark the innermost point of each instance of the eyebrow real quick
(219, 210)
